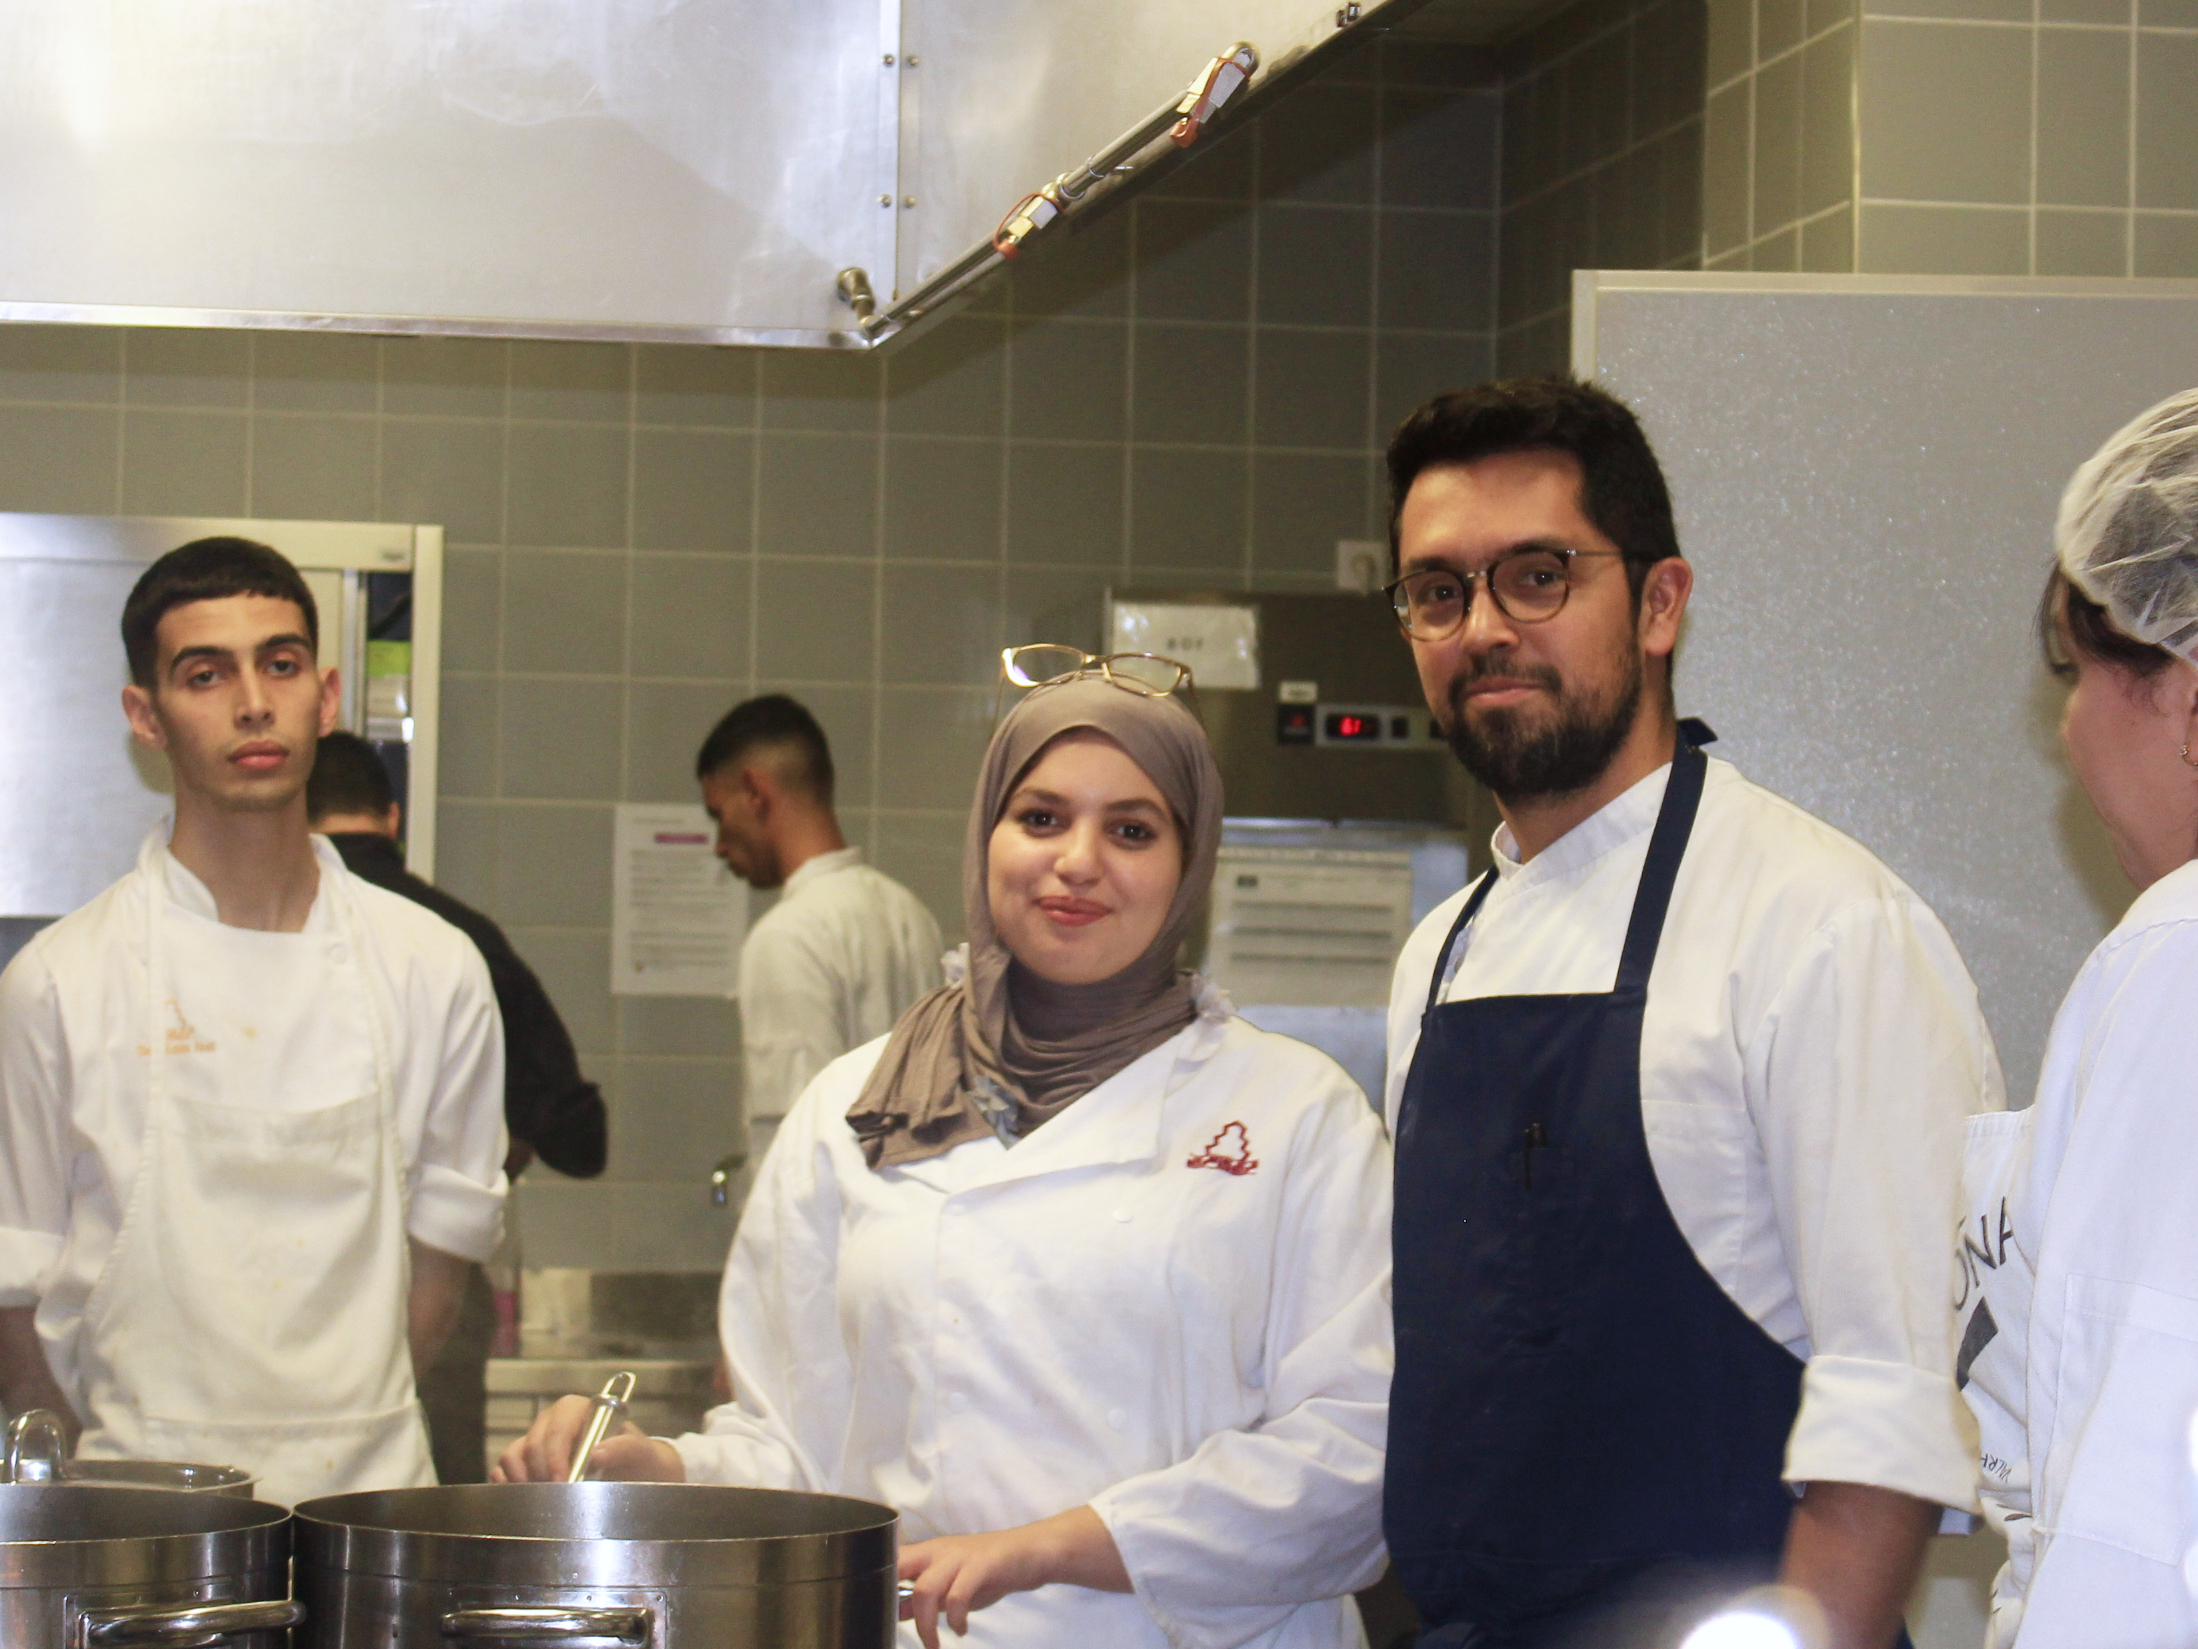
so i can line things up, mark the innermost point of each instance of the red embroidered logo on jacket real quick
(1230, 1151)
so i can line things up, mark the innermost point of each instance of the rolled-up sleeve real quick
(457, 1178)
(1223, 1545)
(34, 1182)
(1860, 1080)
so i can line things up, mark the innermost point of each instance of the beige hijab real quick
(1001, 1039)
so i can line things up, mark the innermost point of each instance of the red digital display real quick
(1352, 727)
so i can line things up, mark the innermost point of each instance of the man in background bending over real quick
(845, 950)
(552, 1111)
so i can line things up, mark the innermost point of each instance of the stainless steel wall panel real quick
(696, 170)
(559, 165)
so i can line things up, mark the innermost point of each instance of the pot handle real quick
(556, 1625)
(188, 1626)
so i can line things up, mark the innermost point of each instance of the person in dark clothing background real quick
(551, 1110)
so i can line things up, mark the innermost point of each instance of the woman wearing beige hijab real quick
(1084, 1275)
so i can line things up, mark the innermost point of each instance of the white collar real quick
(1610, 827)
(823, 865)
(187, 893)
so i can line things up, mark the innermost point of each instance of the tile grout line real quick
(2036, 56)
(883, 393)
(1370, 427)
(1854, 144)
(121, 410)
(2129, 180)
(626, 567)
(251, 401)
(1251, 353)
(1130, 333)
(755, 518)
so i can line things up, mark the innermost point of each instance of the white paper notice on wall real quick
(1219, 643)
(677, 914)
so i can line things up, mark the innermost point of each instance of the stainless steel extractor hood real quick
(689, 170)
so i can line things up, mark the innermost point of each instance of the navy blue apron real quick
(1585, 1432)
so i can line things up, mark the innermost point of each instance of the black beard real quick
(1558, 759)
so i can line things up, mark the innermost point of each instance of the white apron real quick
(1992, 1295)
(253, 1311)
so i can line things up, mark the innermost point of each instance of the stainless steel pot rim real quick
(183, 1476)
(116, 1534)
(597, 1534)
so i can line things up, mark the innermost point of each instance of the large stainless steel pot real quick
(665, 1565)
(85, 1567)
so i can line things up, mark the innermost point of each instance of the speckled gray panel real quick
(1866, 472)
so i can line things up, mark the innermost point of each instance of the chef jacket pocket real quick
(2128, 1394)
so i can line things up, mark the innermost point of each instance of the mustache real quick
(1504, 666)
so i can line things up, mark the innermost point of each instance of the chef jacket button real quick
(958, 1402)
(336, 953)
(1122, 1215)
(1117, 1418)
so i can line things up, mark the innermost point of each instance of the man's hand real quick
(431, 1308)
(1857, 1550)
(26, 1378)
(958, 1573)
(627, 1455)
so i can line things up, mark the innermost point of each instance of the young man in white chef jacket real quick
(251, 1107)
(1678, 1095)
(845, 950)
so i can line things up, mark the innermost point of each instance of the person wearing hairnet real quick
(2078, 1295)
(1077, 1270)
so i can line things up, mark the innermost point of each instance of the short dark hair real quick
(1622, 490)
(348, 777)
(2093, 634)
(777, 721)
(206, 569)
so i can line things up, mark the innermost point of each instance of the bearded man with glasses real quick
(1677, 1091)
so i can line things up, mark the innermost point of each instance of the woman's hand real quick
(627, 1455)
(958, 1573)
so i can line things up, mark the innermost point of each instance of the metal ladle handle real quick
(610, 1403)
(43, 1468)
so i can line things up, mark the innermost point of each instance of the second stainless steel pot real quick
(85, 1567)
(665, 1565)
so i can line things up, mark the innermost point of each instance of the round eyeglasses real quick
(1528, 587)
(1048, 664)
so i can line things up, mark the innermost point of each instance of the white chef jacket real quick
(1170, 1302)
(73, 1057)
(1810, 1048)
(833, 964)
(2082, 1236)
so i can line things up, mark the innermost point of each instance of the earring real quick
(2187, 762)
